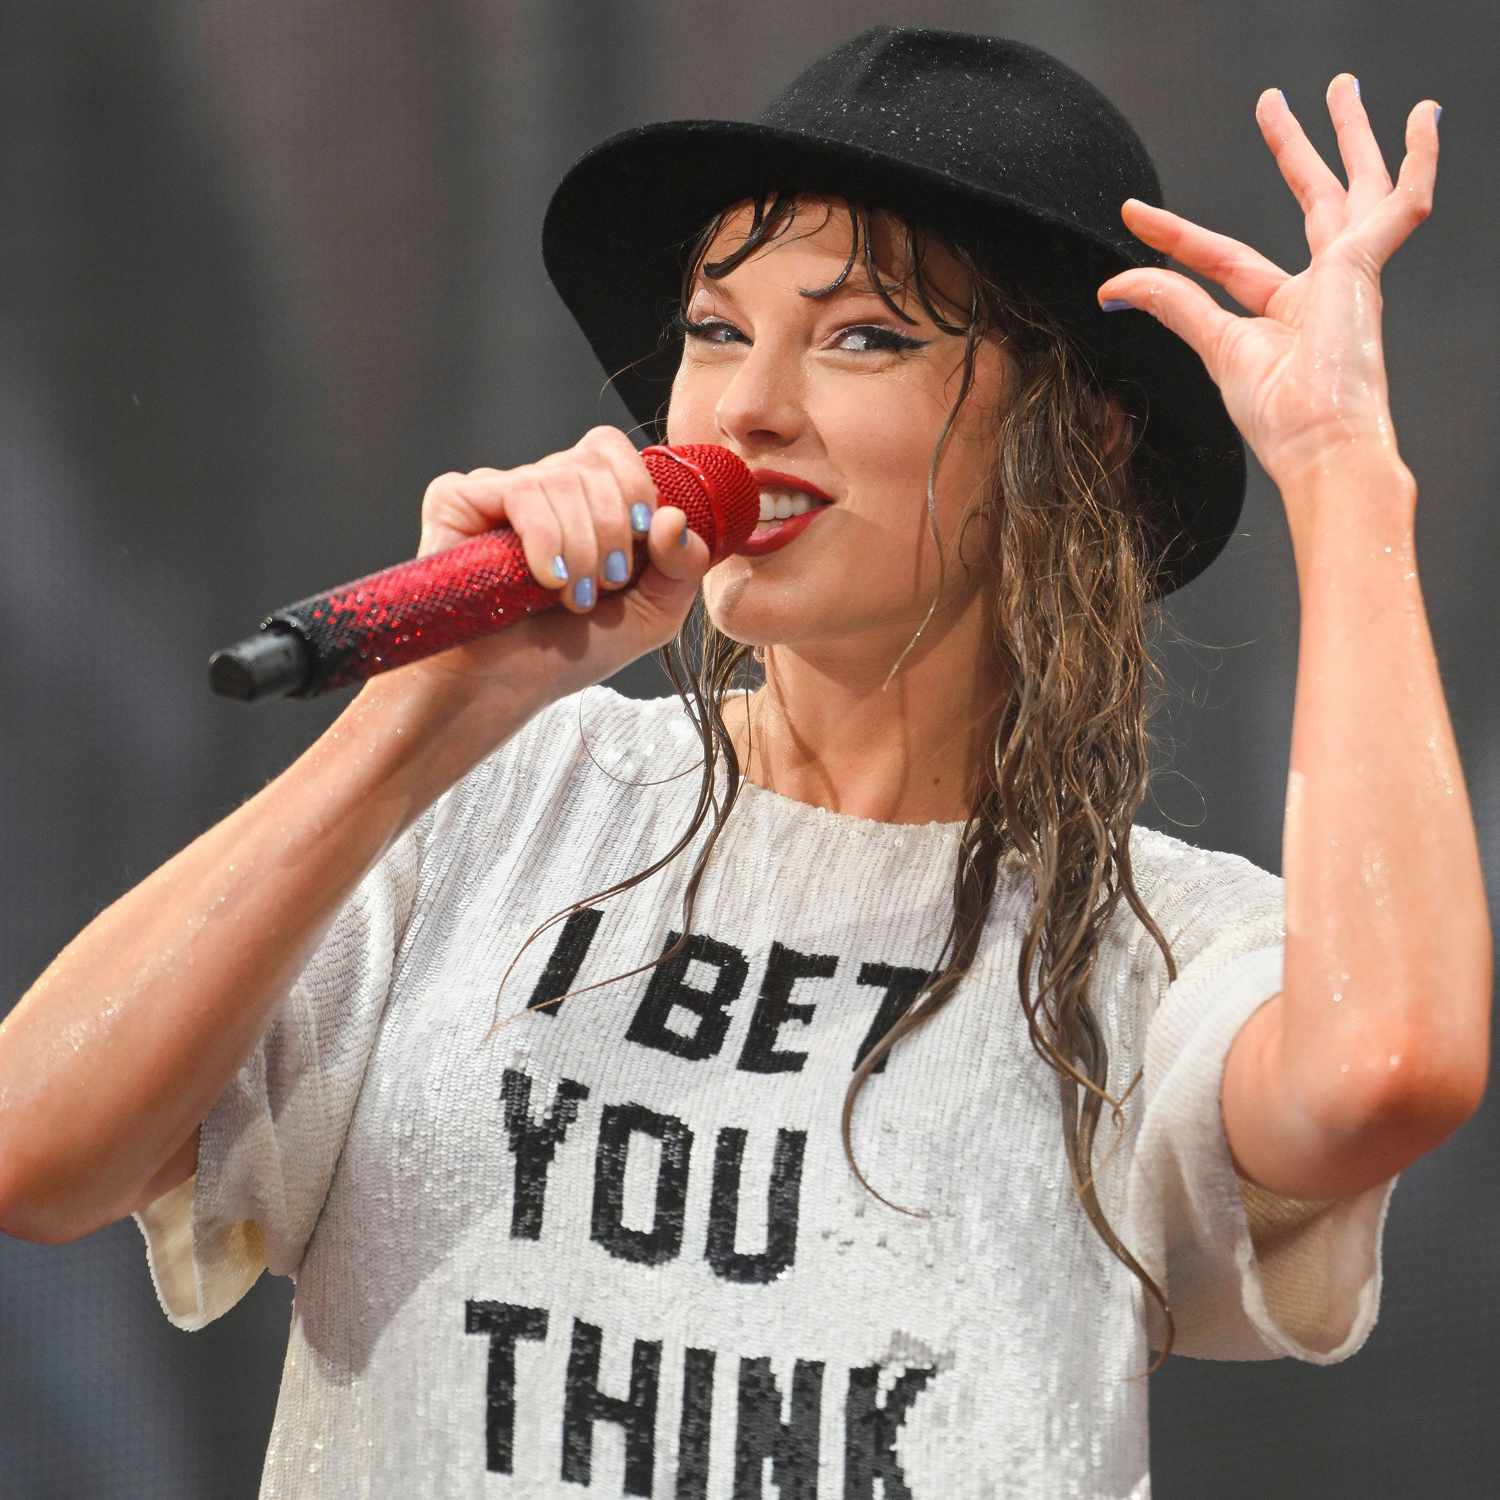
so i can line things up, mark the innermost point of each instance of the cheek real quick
(690, 410)
(888, 427)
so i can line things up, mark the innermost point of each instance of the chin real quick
(746, 610)
(743, 634)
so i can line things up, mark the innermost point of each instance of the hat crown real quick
(993, 144)
(994, 113)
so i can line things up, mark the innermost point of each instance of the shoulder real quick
(595, 734)
(1205, 901)
(603, 707)
(570, 761)
(1178, 872)
(598, 721)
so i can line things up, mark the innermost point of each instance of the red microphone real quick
(477, 588)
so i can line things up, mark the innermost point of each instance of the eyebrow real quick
(850, 288)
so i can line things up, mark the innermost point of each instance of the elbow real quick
(19, 1230)
(1408, 1109)
(19, 1220)
(26, 1215)
(1323, 1128)
(1376, 1122)
(1463, 1096)
(1439, 1089)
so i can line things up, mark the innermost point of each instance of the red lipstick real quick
(774, 479)
(777, 534)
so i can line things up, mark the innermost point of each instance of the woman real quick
(618, 1245)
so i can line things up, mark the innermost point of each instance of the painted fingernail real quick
(583, 593)
(1439, 115)
(560, 568)
(682, 540)
(1283, 99)
(1356, 86)
(1114, 306)
(640, 518)
(615, 570)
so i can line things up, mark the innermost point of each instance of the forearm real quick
(1387, 981)
(123, 1044)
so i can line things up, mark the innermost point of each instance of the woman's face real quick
(841, 393)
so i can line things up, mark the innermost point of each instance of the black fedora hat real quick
(990, 142)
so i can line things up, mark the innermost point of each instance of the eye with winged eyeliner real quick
(881, 340)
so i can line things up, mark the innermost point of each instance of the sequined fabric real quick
(618, 1250)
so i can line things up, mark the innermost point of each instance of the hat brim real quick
(621, 221)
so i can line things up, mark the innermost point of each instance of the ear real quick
(1120, 427)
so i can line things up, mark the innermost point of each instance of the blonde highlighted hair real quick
(1069, 531)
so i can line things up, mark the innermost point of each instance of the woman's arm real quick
(1378, 1047)
(115, 1055)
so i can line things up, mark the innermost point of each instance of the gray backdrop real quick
(267, 269)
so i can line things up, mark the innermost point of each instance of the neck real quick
(825, 730)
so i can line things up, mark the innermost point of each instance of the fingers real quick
(677, 551)
(555, 519)
(1369, 221)
(1244, 273)
(578, 514)
(1364, 165)
(1181, 305)
(454, 508)
(1382, 215)
(1410, 202)
(600, 480)
(1318, 192)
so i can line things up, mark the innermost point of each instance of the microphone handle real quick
(418, 608)
(387, 619)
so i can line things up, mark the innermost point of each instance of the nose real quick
(762, 403)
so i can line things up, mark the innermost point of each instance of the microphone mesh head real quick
(712, 487)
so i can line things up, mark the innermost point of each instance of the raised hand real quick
(1303, 377)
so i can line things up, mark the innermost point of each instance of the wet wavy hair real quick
(1072, 558)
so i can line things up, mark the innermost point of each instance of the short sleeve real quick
(1249, 1275)
(269, 1146)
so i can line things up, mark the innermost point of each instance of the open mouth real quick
(778, 505)
(772, 535)
(788, 506)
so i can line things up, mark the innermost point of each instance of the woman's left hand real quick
(1304, 377)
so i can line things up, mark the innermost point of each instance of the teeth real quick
(777, 505)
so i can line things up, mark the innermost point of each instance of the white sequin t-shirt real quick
(618, 1250)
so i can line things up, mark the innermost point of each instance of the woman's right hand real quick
(577, 505)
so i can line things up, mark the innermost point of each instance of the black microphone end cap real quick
(273, 663)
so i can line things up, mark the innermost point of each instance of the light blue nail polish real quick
(560, 568)
(640, 518)
(1283, 97)
(1439, 115)
(1113, 306)
(1356, 88)
(615, 569)
(682, 540)
(583, 593)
